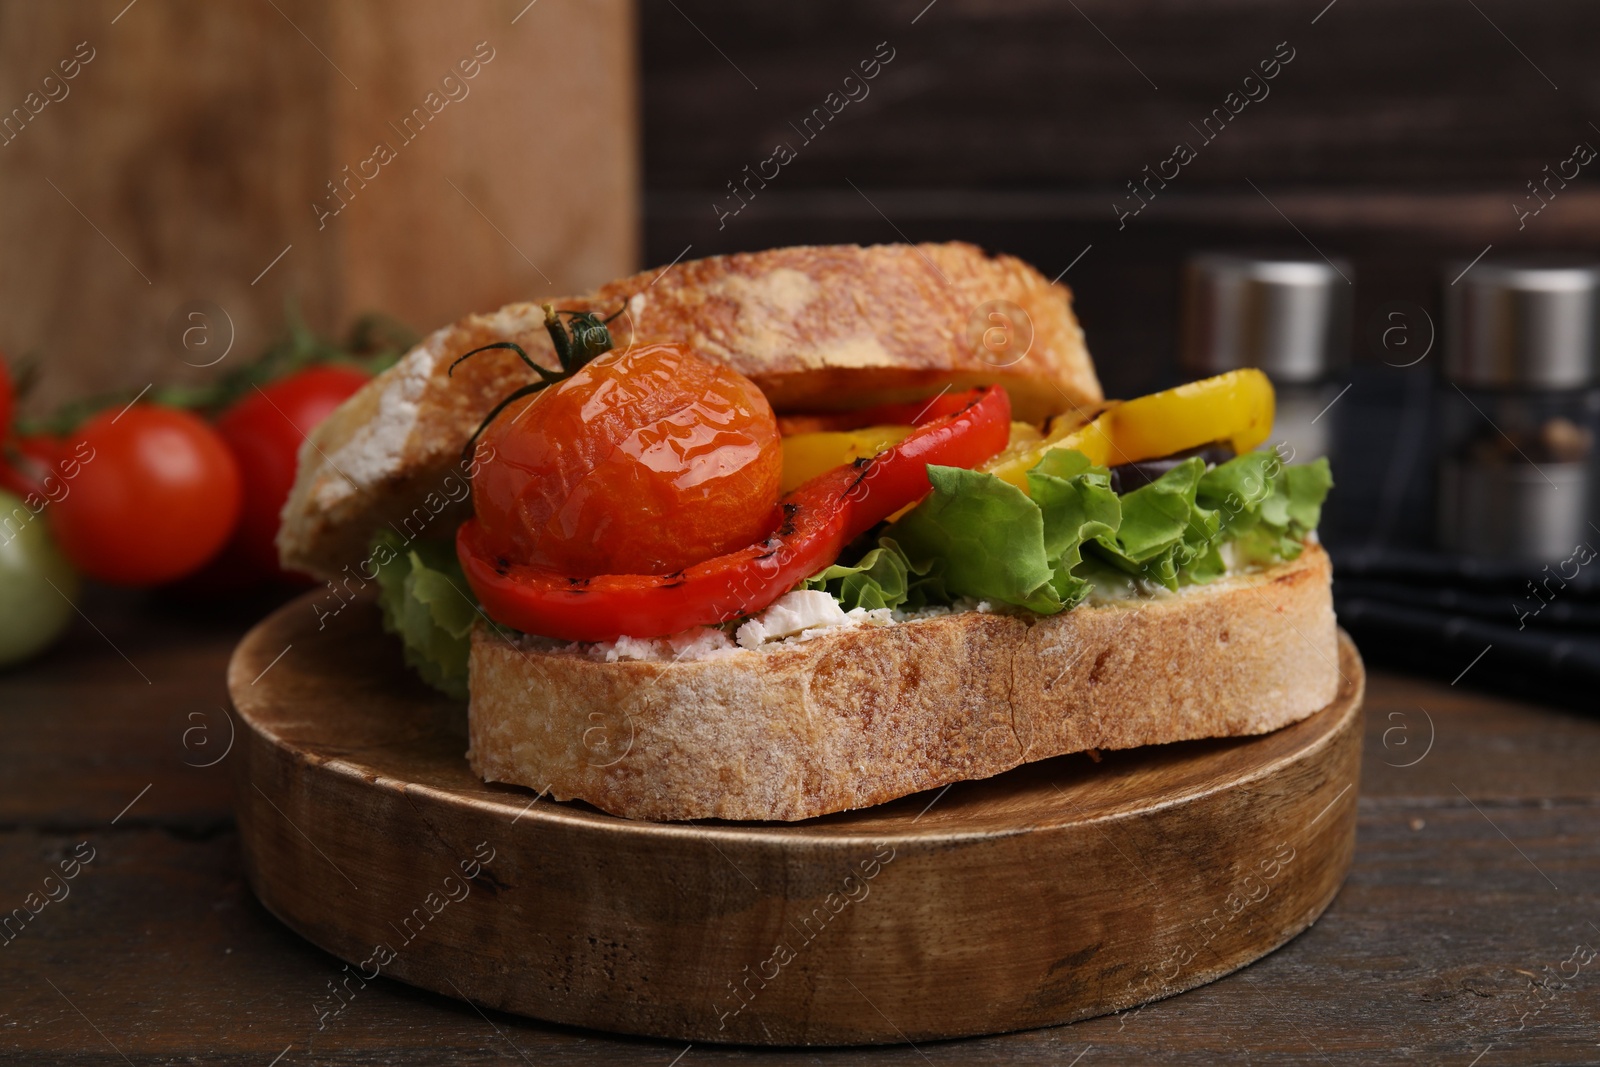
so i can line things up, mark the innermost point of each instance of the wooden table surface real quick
(1466, 934)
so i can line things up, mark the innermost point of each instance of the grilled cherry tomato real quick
(264, 430)
(640, 462)
(158, 498)
(808, 530)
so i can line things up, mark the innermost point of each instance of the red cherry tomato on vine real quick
(264, 430)
(27, 464)
(17, 474)
(155, 495)
(10, 478)
(8, 400)
(43, 449)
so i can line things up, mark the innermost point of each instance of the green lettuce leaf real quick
(1267, 508)
(1306, 485)
(1047, 549)
(1077, 503)
(989, 535)
(1166, 536)
(425, 600)
(994, 542)
(1155, 516)
(1242, 482)
(883, 578)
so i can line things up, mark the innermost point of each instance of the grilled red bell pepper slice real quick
(812, 525)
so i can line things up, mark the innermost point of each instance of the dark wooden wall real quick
(182, 164)
(1399, 136)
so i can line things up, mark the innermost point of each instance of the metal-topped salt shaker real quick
(1285, 313)
(1520, 410)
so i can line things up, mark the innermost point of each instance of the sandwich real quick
(773, 535)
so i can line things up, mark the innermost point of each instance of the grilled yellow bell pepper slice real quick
(1236, 407)
(806, 455)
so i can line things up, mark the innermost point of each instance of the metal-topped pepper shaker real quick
(1288, 315)
(1520, 408)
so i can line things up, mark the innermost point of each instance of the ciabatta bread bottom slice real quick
(860, 716)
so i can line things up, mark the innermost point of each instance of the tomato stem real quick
(584, 338)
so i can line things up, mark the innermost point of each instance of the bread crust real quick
(861, 716)
(814, 327)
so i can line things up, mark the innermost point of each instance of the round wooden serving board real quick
(1060, 890)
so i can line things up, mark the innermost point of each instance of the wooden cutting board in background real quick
(186, 154)
(1054, 892)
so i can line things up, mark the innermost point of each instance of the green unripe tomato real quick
(32, 613)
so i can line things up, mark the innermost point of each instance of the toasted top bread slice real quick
(815, 327)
